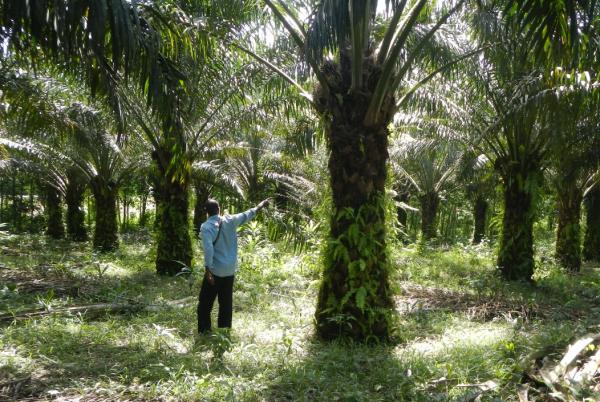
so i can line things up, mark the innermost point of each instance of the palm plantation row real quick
(408, 100)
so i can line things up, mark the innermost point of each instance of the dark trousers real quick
(223, 288)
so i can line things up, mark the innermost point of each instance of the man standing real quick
(219, 239)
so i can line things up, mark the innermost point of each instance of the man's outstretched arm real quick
(243, 217)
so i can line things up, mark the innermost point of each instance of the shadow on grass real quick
(351, 372)
(348, 372)
(79, 358)
(70, 353)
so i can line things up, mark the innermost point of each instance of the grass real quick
(459, 326)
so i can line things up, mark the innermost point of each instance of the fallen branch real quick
(10, 388)
(575, 375)
(91, 308)
(13, 382)
(98, 309)
(186, 301)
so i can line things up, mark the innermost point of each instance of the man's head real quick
(212, 207)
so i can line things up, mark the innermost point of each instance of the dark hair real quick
(212, 207)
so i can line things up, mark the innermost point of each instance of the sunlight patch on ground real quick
(293, 264)
(109, 269)
(150, 336)
(72, 328)
(460, 337)
(9, 356)
(256, 332)
(291, 306)
(281, 333)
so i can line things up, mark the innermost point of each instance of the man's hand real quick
(263, 204)
(209, 276)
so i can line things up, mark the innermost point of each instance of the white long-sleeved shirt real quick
(221, 258)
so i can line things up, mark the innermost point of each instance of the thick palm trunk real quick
(568, 234)
(89, 209)
(75, 216)
(429, 209)
(355, 298)
(480, 207)
(143, 215)
(105, 233)
(515, 256)
(125, 219)
(174, 245)
(202, 193)
(156, 197)
(157, 209)
(55, 227)
(591, 242)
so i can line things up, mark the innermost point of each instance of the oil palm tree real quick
(429, 149)
(77, 183)
(209, 112)
(521, 89)
(510, 128)
(92, 157)
(575, 158)
(107, 161)
(591, 241)
(477, 174)
(430, 166)
(248, 165)
(361, 63)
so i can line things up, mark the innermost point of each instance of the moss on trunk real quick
(106, 229)
(429, 209)
(591, 242)
(568, 233)
(480, 207)
(54, 227)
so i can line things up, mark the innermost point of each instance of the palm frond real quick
(217, 174)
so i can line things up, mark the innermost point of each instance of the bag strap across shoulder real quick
(219, 232)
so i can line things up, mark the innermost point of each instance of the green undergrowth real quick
(459, 326)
